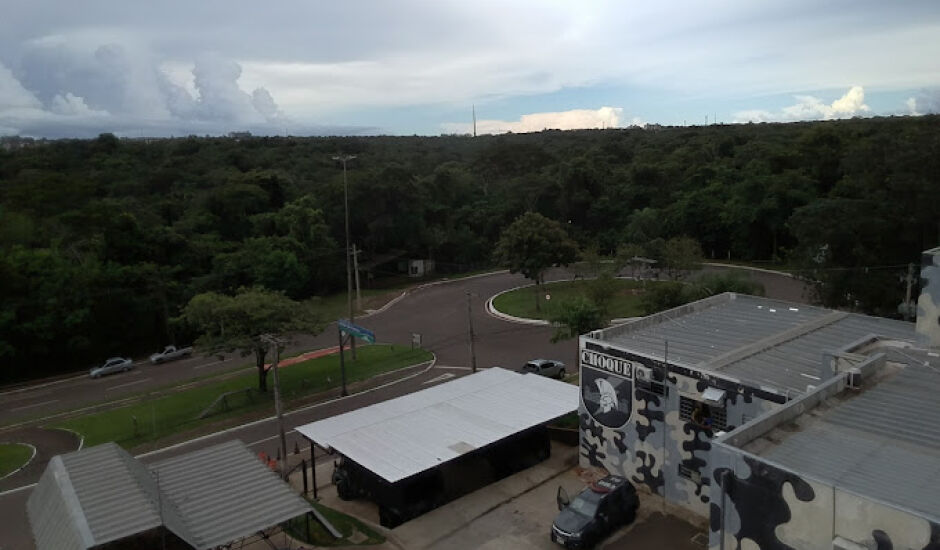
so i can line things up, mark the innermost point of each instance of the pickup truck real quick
(170, 353)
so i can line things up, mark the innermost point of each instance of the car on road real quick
(545, 367)
(596, 512)
(170, 353)
(112, 365)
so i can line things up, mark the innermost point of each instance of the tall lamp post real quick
(352, 341)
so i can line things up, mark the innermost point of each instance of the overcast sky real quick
(79, 68)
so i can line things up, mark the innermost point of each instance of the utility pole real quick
(473, 355)
(277, 402)
(342, 359)
(352, 341)
(356, 271)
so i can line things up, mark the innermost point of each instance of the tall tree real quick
(532, 244)
(230, 323)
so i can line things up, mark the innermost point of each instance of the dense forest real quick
(103, 241)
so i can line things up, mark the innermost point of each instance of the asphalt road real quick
(438, 312)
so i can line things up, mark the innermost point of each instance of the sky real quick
(403, 67)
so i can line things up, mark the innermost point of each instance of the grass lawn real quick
(151, 420)
(521, 302)
(13, 456)
(319, 536)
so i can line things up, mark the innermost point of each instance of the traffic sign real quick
(359, 332)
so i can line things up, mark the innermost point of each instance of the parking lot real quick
(517, 513)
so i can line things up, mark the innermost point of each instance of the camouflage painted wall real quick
(625, 401)
(928, 303)
(757, 506)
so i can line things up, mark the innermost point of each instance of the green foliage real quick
(133, 229)
(13, 456)
(709, 284)
(574, 317)
(665, 296)
(680, 256)
(245, 320)
(532, 244)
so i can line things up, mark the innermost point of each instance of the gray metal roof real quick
(765, 342)
(407, 435)
(882, 443)
(207, 498)
(224, 493)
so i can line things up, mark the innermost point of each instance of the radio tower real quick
(474, 107)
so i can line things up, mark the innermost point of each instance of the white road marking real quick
(440, 378)
(33, 405)
(454, 368)
(128, 384)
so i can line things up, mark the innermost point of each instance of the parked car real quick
(545, 367)
(170, 353)
(596, 512)
(112, 365)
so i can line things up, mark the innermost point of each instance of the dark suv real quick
(595, 512)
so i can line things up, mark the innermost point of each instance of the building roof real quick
(224, 493)
(207, 498)
(881, 441)
(407, 435)
(768, 343)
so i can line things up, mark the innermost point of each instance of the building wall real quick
(631, 422)
(758, 506)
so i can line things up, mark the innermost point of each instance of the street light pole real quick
(352, 340)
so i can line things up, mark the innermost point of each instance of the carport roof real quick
(207, 497)
(407, 435)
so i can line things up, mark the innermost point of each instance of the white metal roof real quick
(208, 497)
(404, 436)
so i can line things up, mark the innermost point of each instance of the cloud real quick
(73, 105)
(926, 102)
(13, 95)
(575, 119)
(852, 103)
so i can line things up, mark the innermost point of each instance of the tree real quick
(681, 255)
(532, 244)
(573, 317)
(229, 323)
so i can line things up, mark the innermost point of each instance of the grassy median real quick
(521, 302)
(13, 456)
(151, 420)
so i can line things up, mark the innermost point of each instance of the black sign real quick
(607, 397)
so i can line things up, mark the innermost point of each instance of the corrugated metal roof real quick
(765, 342)
(104, 492)
(225, 493)
(700, 336)
(207, 498)
(882, 443)
(407, 435)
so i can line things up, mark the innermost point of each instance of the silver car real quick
(112, 365)
(545, 367)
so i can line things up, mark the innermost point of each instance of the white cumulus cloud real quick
(807, 107)
(926, 102)
(575, 119)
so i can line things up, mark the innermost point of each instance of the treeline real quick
(102, 241)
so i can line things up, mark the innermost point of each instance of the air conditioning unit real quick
(643, 373)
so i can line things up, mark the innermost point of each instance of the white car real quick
(545, 367)
(170, 353)
(112, 365)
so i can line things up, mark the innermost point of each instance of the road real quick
(437, 311)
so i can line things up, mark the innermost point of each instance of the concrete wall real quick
(758, 505)
(633, 428)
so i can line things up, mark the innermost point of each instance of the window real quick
(713, 418)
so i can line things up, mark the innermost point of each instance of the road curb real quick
(749, 268)
(25, 464)
(490, 309)
(401, 296)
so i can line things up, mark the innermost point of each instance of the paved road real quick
(438, 312)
